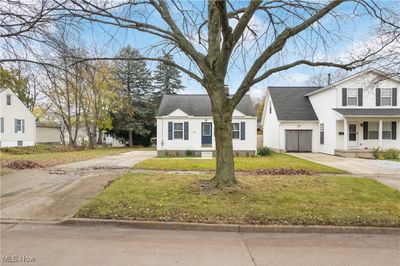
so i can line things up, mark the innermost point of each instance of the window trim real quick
(8, 99)
(348, 97)
(236, 130)
(391, 96)
(177, 130)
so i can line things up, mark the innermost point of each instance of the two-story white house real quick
(349, 118)
(185, 126)
(17, 123)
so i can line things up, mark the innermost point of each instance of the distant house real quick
(348, 118)
(48, 133)
(185, 126)
(17, 123)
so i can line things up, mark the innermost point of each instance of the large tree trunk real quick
(100, 138)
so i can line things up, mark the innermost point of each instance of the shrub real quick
(264, 151)
(189, 153)
(388, 154)
(177, 153)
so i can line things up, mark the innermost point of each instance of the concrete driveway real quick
(386, 172)
(107, 245)
(57, 192)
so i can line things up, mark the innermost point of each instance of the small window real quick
(8, 99)
(18, 125)
(386, 97)
(352, 97)
(321, 134)
(387, 130)
(206, 129)
(178, 130)
(373, 130)
(2, 124)
(270, 107)
(20, 143)
(235, 130)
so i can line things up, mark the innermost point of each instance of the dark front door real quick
(206, 134)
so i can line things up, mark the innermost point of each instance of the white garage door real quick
(298, 140)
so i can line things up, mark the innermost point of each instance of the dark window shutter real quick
(170, 125)
(2, 124)
(15, 126)
(365, 130)
(186, 130)
(360, 97)
(242, 130)
(23, 125)
(394, 96)
(394, 129)
(344, 97)
(378, 97)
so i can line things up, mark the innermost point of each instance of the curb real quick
(232, 227)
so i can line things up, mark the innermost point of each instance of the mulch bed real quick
(23, 164)
(279, 171)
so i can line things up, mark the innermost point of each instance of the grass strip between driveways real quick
(276, 160)
(298, 200)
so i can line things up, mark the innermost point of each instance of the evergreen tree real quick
(167, 79)
(136, 115)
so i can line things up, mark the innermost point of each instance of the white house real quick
(17, 123)
(185, 125)
(350, 117)
(48, 133)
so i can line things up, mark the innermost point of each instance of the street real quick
(51, 244)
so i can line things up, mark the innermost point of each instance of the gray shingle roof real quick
(291, 104)
(198, 105)
(368, 111)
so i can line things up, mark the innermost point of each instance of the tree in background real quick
(167, 79)
(137, 93)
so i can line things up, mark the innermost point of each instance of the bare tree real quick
(212, 38)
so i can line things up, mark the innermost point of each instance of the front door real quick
(352, 135)
(206, 134)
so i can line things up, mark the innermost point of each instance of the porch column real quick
(346, 133)
(380, 133)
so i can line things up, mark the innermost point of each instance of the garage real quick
(298, 140)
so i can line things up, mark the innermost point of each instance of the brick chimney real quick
(226, 90)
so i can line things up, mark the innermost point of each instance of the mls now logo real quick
(19, 259)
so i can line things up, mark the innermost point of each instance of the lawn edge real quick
(239, 228)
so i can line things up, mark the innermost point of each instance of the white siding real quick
(270, 125)
(194, 141)
(48, 135)
(17, 110)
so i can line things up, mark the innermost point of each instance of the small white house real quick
(17, 123)
(185, 126)
(349, 118)
(48, 133)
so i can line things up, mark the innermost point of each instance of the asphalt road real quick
(57, 192)
(79, 245)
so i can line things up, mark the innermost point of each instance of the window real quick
(20, 143)
(352, 97)
(18, 125)
(178, 130)
(235, 130)
(386, 97)
(207, 129)
(2, 124)
(321, 134)
(270, 107)
(8, 99)
(387, 130)
(373, 130)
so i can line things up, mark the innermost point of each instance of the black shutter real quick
(360, 97)
(23, 125)
(365, 130)
(242, 130)
(186, 130)
(378, 97)
(2, 124)
(394, 129)
(394, 97)
(170, 125)
(344, 97)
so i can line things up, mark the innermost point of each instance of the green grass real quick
(323, 200)
(46, 157)
(276, 160)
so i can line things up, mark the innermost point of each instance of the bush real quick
(189, 153)
(264, 151)
(388, 154)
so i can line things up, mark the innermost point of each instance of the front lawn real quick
(317, 200)
(276, 160)
(47, 157)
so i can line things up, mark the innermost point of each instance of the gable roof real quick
(290, 103)
(198, 105)
(370, 70)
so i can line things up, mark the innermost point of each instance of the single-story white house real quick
(185, 126)
(349, 118)
(48, 133)
(17, 123)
